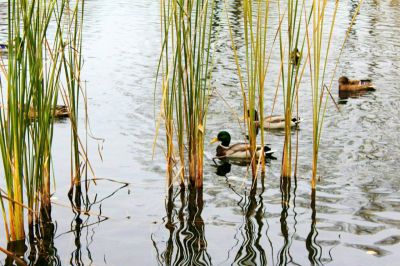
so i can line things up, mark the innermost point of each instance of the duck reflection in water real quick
(226, 165)
(223, 169)
(186, 244)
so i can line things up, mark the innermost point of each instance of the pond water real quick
(354, 217)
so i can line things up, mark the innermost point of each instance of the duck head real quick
(343, 80)
(224, 137)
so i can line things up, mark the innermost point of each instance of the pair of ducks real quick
(241, 151)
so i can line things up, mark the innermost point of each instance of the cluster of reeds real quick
(38, 34)
(73, 63)
(291, 44)
(319, 52)
(305, 35)
(185, 68)
(255, 36)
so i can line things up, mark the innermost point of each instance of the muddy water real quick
(352, 220)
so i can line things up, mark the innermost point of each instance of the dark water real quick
(352, 220)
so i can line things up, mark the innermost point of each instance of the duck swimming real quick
(238, 151)
(61, 111)
(274, 121)
(346, 84)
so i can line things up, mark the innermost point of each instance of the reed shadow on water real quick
(251, 250)
(186, 244)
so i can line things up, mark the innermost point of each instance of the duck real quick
(61, 111)
(274, 121)
(237, 151)
(346, 84)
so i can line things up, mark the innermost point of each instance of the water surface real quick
(352, 220)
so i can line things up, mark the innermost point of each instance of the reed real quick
(29, 97)
(255, 31)
(252, 78)
(319, 52)
(291, 47)
(72, 67)
(185, 68)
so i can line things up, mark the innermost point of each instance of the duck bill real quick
(213, 140)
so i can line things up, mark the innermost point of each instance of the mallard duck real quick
(274, 121)
(238, 151)
(61, 111)
(346, 84)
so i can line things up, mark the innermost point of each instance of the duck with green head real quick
(237, 151)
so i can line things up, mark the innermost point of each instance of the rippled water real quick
(354, 217)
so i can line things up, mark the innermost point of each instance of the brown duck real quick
(349, 85)
(61, 111)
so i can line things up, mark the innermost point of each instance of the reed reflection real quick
(284, 254)
(251, 251)
(82, 206)
(186, 244)
(41, 242)
(314, 249)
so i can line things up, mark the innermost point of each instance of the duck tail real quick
(268, 150)
(296, 120)
(268, 153)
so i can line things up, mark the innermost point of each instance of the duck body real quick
(274, 122)
(238, 151)
(346, 84)
(61, 111)
(278, 122)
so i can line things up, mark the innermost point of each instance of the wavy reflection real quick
(314, 249)
(284, 254)
(82, 206)
(41, 242)
(186, 244)
(251, 251)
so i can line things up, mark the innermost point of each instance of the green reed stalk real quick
(291, 62)
(184, 62)
(255, 30)
(255, 35)
(33, 79)
(318, 61)
(72, 64)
